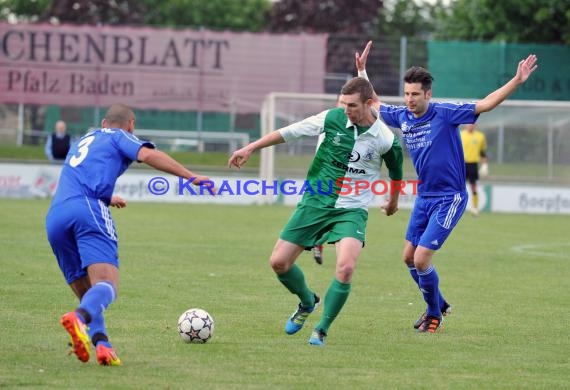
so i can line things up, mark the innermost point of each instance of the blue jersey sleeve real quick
(457, 113)
(391, 114)
(129, 145)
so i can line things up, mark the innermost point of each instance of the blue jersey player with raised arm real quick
(431, 134)
(80, 229)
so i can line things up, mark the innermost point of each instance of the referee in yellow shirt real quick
(475, 151)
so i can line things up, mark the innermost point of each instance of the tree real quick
(408, 18)
(95, 12)
(25, 10)
(325, 16)
(412, 19)
(514, 21)
(73, 11)
(242, 15)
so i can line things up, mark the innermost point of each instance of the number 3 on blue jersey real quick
(82, 150)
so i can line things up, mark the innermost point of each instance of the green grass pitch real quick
(506, 275)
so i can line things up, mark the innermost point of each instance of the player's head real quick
(356, 98)
(119, 116)
(417, 90)
(60, 127)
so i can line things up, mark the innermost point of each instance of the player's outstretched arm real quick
(240, 157)
(163, 162)
(360, 61)
(524, 70)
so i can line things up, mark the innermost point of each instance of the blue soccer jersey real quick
(434, 144)
(95, 162)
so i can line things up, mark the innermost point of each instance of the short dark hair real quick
(358, 85)
(119, 115)
(417, 74)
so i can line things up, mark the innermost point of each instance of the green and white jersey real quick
(349, 155)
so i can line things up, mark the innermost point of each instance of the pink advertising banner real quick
(155, 68)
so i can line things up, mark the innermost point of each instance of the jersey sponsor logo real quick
(341, 165)
(416, 127)
(354, 156)
(336, 139)
(422, 126)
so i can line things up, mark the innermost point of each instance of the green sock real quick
(336, 296)
(294, 280)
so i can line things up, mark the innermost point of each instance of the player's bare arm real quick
(163, 162)
(525, 68)
(241, 156)
(118, 202)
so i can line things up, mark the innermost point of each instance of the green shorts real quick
(309, 226)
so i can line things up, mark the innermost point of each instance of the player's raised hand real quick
(360, 59)
(526, 67)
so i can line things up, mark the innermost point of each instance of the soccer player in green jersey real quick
(334, 203)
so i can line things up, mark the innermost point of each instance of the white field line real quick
(537, 250)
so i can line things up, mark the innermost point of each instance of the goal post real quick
(280, 109)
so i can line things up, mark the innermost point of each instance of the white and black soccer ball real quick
(195, 326)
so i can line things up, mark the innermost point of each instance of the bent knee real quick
(408, 255)
(279, 266)
(344, 272)
(408, 259)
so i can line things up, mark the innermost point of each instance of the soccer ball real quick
(195, 326)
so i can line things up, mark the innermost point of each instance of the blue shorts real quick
(81, 232)
(433, 218)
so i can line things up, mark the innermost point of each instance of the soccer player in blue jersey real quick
(431, 134)
(81, 231)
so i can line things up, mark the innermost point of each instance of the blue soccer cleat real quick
(318, 338)
(297, 320)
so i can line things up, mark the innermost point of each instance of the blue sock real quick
(416, 277)
(97, 327)
(429, 286)
(97, 299)
(414, 274)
